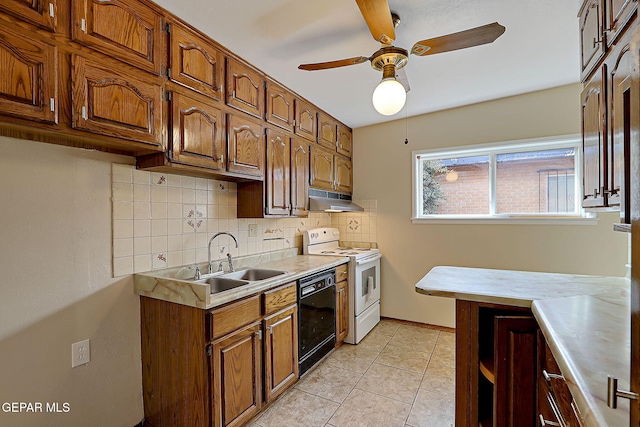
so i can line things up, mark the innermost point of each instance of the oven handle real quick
(368, 259)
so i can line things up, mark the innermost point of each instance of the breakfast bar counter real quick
(584, 320)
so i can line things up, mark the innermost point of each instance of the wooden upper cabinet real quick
(43, 13)
(125, 29)
(115, 103)
(321, 169)
(195, 62)
(345, 140)
(279, 108)
(618, 14)
(593, 141)
(278, 179)
(305, 116)
(619, 103)
(592, 46)
(28, 77)
(299, 177)
(245, 88)
(327, 131)
(246, 146)
(197, 130)
(343, 174)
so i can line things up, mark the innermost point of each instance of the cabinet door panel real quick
(245, 88)
(327, 131)
(197, 130)
(305, 120)
(236, 376)
(196, 63)
(619, 121)
(591, 36)
(278, 173)
(321, 169)
(279, 106)
(619, 12)
(515, 371)
(28, 77)
(281, 352)
(246, 146)
(40, 12)
(342, 310)
(593, 142)
(344, 174)
(344, 140)
(126, 29)
(299, 177)
(114, 103)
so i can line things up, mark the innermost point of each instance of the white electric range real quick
(364, 278)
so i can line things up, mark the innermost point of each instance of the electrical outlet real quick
(253, 230)
(80, 353)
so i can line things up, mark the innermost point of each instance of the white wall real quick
(56, 289)
(382, 171)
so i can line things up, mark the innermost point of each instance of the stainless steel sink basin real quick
(254, 274)
(221, 284)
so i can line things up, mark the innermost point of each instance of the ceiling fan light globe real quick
(389, 97)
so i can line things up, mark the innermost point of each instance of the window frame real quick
(492, 150)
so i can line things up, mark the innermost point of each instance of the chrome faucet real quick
(228, 255)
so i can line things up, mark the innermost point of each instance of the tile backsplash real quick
(164, 220)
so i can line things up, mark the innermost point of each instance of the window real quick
(516, 180)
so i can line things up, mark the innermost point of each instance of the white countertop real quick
(585, 320)
(164, 284)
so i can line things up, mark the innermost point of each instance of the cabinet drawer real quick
(558, 389)
(233, 316)
(279, 298)
(342, 273)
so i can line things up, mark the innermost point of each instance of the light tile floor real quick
(399, 375)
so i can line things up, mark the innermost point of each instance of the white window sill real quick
(507, 219)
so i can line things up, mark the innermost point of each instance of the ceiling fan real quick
(390, 95)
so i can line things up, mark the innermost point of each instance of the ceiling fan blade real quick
(401, 76)
(377, 15)
(333, 64)
(468, 38)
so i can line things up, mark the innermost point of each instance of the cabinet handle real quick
(260, 334)
(613, 393)
(547, 376)
(222, 159)
(52, 104)
(271, 329)
(52, 12)
(596, 42)
(83, 25)
(544, 422)
(83, 113)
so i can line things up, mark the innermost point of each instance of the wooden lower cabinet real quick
(217, 367)
(236, 376)
(281, 352)
(506, 375)
(342, 303)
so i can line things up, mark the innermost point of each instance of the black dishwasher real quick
(316, 318)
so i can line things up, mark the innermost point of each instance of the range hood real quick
(331, 202)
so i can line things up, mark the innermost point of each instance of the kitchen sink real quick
(254, 274)
(221, 284)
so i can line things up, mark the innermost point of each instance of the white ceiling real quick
(539, 49)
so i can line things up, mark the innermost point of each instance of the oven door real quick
(366, 282)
